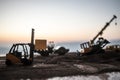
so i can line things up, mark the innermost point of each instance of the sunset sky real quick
(57, 20)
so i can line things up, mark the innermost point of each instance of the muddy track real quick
(54, 65)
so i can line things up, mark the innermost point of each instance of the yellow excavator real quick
(21, 53)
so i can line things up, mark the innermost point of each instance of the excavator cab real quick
(19, 53)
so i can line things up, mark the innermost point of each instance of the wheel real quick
(8, 62)
(45, 54)
(26, 62)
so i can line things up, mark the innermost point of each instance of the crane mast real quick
(101, 32)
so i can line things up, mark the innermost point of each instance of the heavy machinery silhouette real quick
(96, 47)
(42, 48)
(23, 53)
(115, 48)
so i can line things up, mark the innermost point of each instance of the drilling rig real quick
(93, 47)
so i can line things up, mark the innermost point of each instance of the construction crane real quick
(101, 32)
(92, 47)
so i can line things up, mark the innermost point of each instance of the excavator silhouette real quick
(93, 47)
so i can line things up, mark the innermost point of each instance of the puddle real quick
(25, 79)
(105, 76)
(44, 65)
(86, 68)
(113, 76)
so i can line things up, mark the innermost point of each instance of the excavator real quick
(93, 47)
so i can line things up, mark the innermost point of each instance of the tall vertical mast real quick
(32, 45)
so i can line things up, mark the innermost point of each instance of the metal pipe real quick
(32, 45)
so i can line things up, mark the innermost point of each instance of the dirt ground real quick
(64, 65)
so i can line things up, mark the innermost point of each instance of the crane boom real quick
(100, 33)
